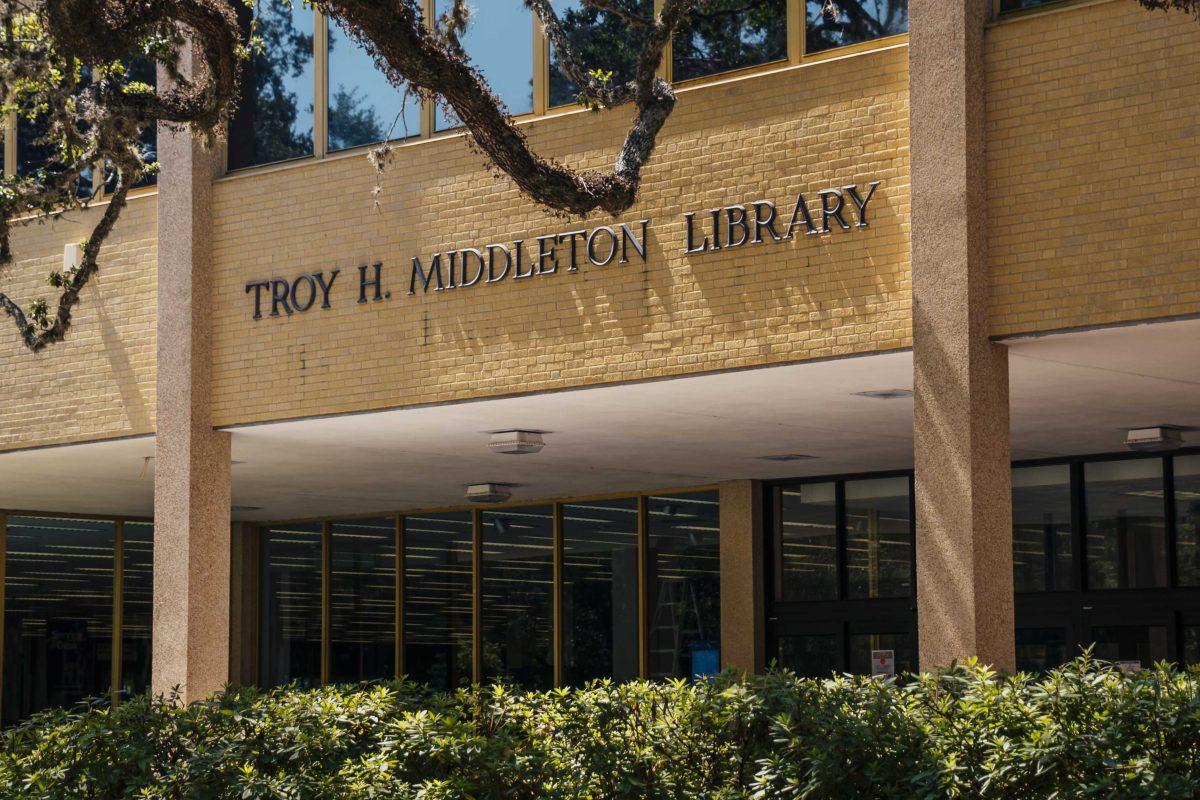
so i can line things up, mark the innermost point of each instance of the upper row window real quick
(276, 119)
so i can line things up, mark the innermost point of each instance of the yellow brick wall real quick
(762, 137)
(99, 383)
(1093, 115)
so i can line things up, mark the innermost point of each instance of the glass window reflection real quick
(878, 538)
(601, 40)
(517, 586)
(437, 599)
(685, 588)
(1042, 528)
(35, 154)
(724, 35)
(499, 42)
(1187, 519)
(58, 613)
(599, 590)
(274, 118)
(809, 655)
(362, 599)
(835, 23)
(1040, 649)
(137, 598)
(1017, 5)
(808, 542)
(1126, 529)
(364, 107)
(1144, 644)
(291, 605)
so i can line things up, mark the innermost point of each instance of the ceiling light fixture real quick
(516, 443)
(489, 492)
(885, 394)
(1154, 439)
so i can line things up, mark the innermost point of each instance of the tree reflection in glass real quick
(599, 591)
(517, 578)
(274, 119)
(836, 23)
(723, 35)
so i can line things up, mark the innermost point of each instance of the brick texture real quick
(99, 383)
(760, 137)
(1093, 168)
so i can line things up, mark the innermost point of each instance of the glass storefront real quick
(77, 601)
(840, 586)
(539, 595)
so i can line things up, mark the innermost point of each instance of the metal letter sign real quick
(737, 225)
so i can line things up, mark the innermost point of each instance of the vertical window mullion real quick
(326, 606)
(476, 595)
(118, 609)
(1079, 527)
(843, 578)
(541, 67)
(321, 81)
(556, 611)
(797, 24)
(643, 605)
(668, 56)
(1169, 517)
(399, 598)
(3, 593)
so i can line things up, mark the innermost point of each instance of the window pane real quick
(517, 578)
(437, 599)
(723, 35)
(274, 119)
(808, 539)
(34, 153)
(499, 42)
(362, 599)
(1191, 644)
(1042, 528)
(902, 646)
(602, 42)
(291, 605)
(1145, 644)
(1187, 519)
(58, 611)
(685, 587)
(1040, 649)
(143, 70)
(137, 598)
(1017, 5)
(363, 105)
(833, 23)
(600, 569)
(878, 538)
(809, 656)
(1126, 532)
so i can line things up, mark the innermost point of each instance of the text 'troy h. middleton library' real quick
(896, 360)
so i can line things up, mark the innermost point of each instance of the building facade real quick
(851, 387)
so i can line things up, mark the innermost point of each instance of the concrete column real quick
(743, 623)
(191, 473)
(963, 480)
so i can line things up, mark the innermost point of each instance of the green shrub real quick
(1083, 731)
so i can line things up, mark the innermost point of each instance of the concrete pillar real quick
(743, 623)
(191, 472)
(963, 480)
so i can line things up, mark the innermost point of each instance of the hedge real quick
(1083, 731)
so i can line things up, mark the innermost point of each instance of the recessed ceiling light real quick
(885, 394)
(516, 443)
(787, 457)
